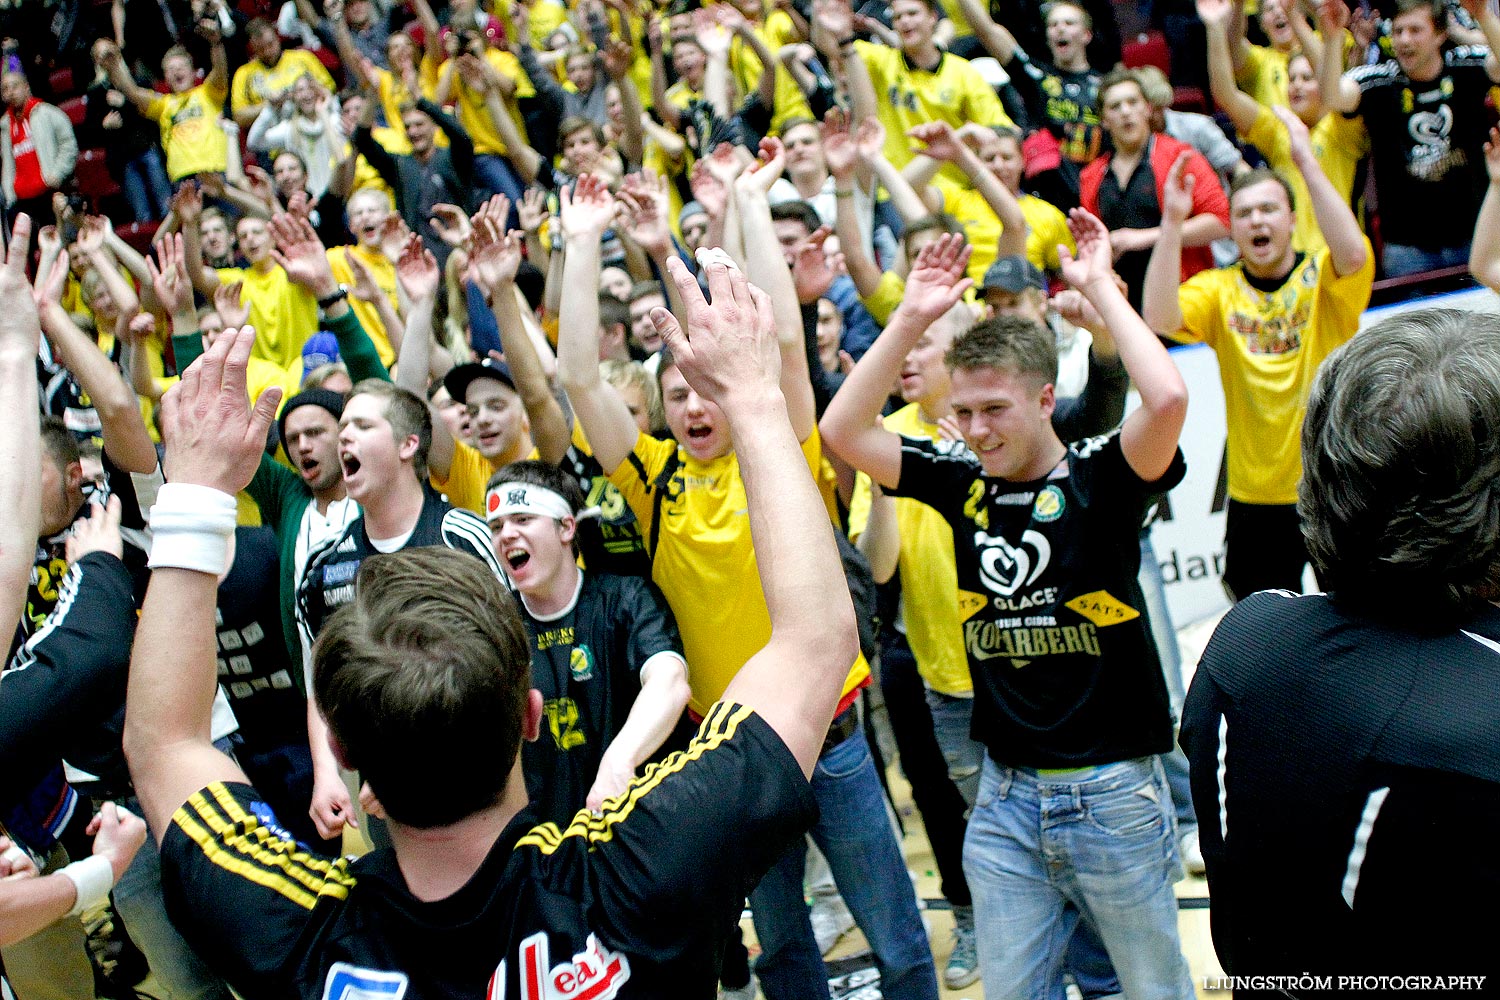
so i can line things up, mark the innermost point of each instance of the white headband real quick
(504, 499)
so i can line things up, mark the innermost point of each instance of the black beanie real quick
(325, 398)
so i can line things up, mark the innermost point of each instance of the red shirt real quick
(28, 182)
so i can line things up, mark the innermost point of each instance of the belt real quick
(843, 727)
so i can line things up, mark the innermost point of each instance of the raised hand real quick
(1333, 16)
(836, 18)
(1095, 259)
(532, 211)
(940, 141)
(232, 309)
(140, 327)
(417, 270)
(451, 224)
(1492, 156)
(1296, 130)
(725, 163)
(617, 57)
(169, 279)
(839, 152)
(1177, 194)
(98, 532)
(297, 204)
(765, 170)
(393, 234)
(301, 254)
(260, 184)
(49, 286)
(728, 353)
(1216, 13)
(713, 39)
(813, 270)
(494, 260)
(708, 190)
(869, 139)
(644, 216)
(214, 437)
(937, 280)
(587, 209)
(365, 289)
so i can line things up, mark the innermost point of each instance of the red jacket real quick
(1208, 193)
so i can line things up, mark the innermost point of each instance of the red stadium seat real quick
(1149, 48)
(93, 176)
(138, 236)
(61, 83)
(75, 108)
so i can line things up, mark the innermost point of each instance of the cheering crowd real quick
(425, 435)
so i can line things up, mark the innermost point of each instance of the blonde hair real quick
(632, 373)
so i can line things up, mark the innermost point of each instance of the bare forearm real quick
(126, 302)
(20, 489)
(909, 204)
(652, 718)
(549, 426)
(31, 904)
(1484, 255)
(1159, 306)
(862, 269)
(766, 268)
(1346, 242)
(1201, 230)
(578, 317)
(125, 437)
(416, 344)
(881, 540)
(1240, 107)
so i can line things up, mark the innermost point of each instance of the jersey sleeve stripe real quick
(464, 529)
(718, 726)
(238, 842)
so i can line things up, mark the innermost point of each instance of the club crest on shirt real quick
(581, 663)
(596, 973)
(350, 982)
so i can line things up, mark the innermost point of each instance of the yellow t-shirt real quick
(1269, 346)
(284, 314)
(955, 14)
(888, 294)
(473, 112)
(1264, 73)
(468, 474)
(906, 96)
(254, 80)
(393, 94)
(789, 101)
(546, 16)
(929, 577)
(704, 561)
(190, 131)
(982, 227)
(384, 273)
(1338, 144)
(1046, 227)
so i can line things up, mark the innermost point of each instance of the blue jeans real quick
(1401, 258)
(1102, 840)
(147, 190)
(951, 721)
(855, 836)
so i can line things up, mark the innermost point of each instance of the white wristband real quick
(191, 527)
(92, 879)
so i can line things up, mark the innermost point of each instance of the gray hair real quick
(1400, 494)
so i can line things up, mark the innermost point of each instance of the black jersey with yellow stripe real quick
(628, 903)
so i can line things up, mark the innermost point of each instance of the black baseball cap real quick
(1013, 274)
(460, 377)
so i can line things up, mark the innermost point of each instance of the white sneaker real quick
(1192, 856)
(831, 920)
(963, 962)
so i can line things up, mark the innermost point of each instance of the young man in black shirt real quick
(1073, 812)
(605, 650)
(425, 682)
(1328, 733)
(1425, 112)
(384, 434)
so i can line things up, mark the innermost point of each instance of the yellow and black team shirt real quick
(1064, 102)
(1270, 339)
(907, 95)
(631, 903)
(704, 560)
(611, 542)
(190, 132)
(587, 661)
(1064, 668)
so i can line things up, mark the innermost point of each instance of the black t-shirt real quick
(1065, 670)
(629, 904)
(586, 661)
(254, 669)
(1428, 142)
(328, 582)
(612, 542)
(1131, 206)
(1334, 755)
(1064, 102)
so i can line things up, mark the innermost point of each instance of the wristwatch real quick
(328, 300)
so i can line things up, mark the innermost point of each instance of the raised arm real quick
(1238, 105)
(1347, 249)
(730, 355)
(833, 36)
(119, 76)
(126, 441)
(645, 220)
(943, 145)
(669, 113)
(993, 36)
(20, 435)
(849, 425)
(1489, 25)
(1149, 437)
(617, 60)
(493, 261)
(188, 204)
(1159, 305)
(1484, 254)
(214, 442)
(587, 210)
(1340, 91)
(841, 156)
(218, 61)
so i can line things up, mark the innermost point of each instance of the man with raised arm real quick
(1073, 811)
(687, 495)
(429, 666)
(1271, 317)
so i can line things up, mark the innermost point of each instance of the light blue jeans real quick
(1102, 840)
(855, 836)
(1401, 258)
